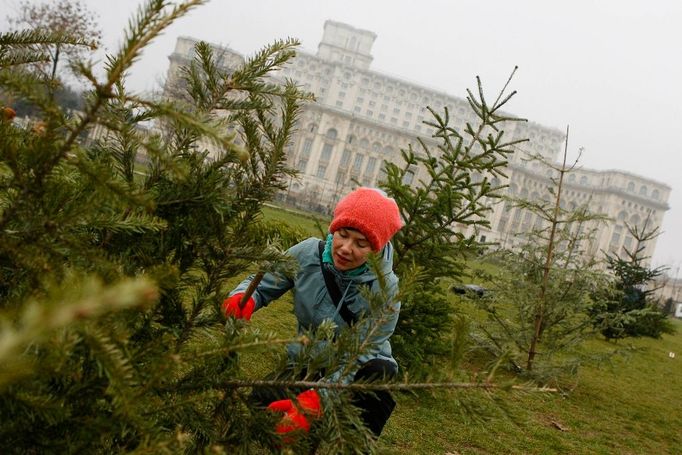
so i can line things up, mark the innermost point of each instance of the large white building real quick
(362, 118)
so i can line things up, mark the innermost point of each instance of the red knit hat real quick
(371, 212)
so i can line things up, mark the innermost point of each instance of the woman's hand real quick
(297, 415)
(232, 308)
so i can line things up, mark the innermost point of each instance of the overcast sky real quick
(610, 69)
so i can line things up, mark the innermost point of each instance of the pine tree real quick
(627, 307)
(115, 250)
(537, 313)
(459, 188)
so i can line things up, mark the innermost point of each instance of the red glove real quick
(231, 307)
(296, 415)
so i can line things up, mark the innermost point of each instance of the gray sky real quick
(608, 68)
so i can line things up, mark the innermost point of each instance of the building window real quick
(408, 178)
(340, 176)
(345, 158)
(357, 164)
(631, 187)
(369, 113)
(655, 195)
(307, 146)
(583, 180)
(382, 116)
(371, 164)
(321, 170)
(326, 153)
(301, 165)
(342, 94)
(627, 243)
(339, 104)
(643, 191)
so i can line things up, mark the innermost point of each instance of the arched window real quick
(631, 186)
(655, 195)
(376, 147)
(331, 133)
(643, 190)
(571, 178)
(583, 180)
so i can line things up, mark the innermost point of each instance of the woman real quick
(326, 287)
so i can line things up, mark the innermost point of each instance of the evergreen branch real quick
(32, 37)
(359, 386)
(196, 122)
(22, 57)
(150, 22)
(66, 306)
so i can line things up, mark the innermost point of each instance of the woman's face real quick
(350, 249)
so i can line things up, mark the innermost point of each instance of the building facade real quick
(362, 118)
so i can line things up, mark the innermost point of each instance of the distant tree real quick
(64, 17)
(536, 313)
(627, 308)
(65, 97)
(669, 306)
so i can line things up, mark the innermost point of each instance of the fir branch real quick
(30, 38)
(357, 386)
(89, 301)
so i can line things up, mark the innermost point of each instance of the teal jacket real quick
(313, 304)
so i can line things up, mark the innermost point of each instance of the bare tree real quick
(67, 17)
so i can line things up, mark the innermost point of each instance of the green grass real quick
(632, 405)
(629, 407)
(305, 221)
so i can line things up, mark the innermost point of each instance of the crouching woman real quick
(327, 287)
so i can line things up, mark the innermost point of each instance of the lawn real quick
(631, 405)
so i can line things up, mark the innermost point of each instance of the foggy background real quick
(610, 69)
